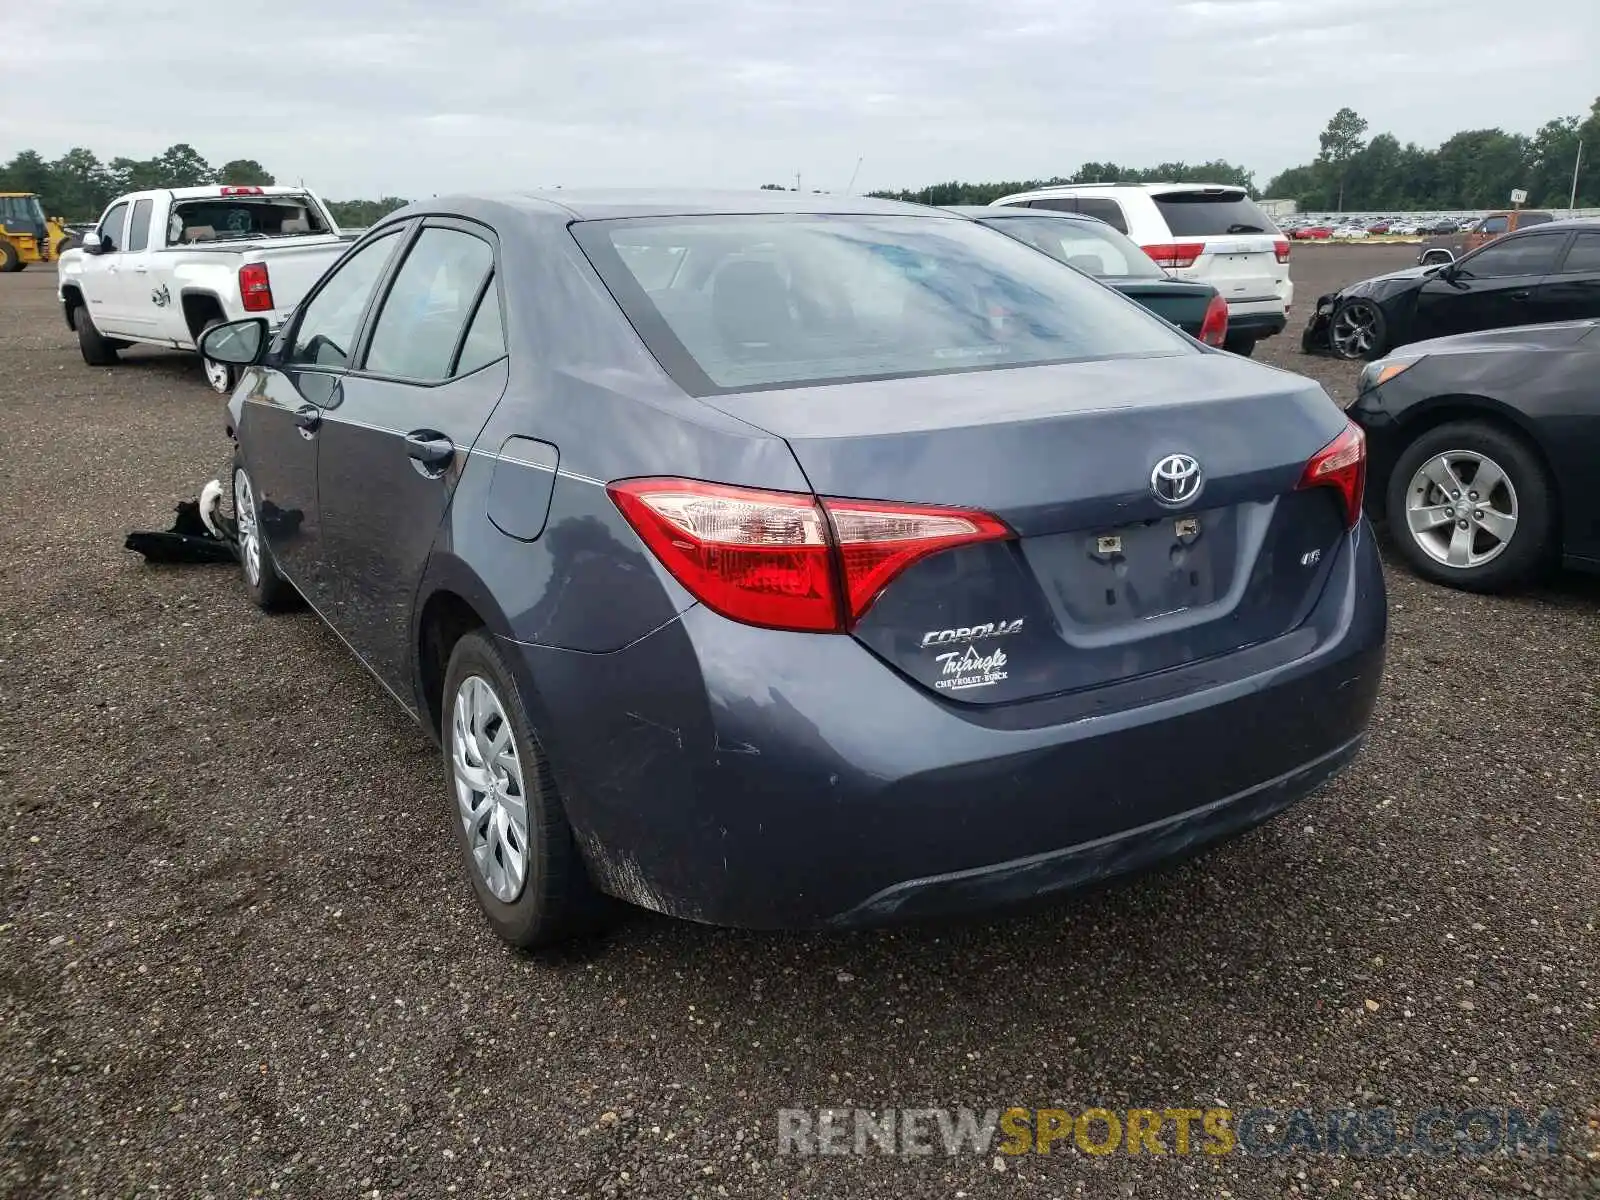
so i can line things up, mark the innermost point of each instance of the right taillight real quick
(1280, 247)
(787, 560)
(1341, 465)
(1214, 329)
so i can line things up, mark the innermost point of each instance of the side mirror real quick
(94, 243)
(239, 343)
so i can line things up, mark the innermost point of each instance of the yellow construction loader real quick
(27, 235)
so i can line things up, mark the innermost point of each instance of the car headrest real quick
(200, 233)
(750, 304)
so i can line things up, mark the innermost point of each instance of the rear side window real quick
(1533, 218)
(139, 227)
(1212, 213)
(1089, 247)
(434, 295)
(1584, 254)
(486, 336)
(1055, 204)
(774, 302)
(1533, 255)
(1108, 211)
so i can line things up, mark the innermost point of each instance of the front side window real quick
(111, 225)
(1535, 255)
(1493, 225)
(790, 301)
(433, 296)
(139, 227)
(326, 334)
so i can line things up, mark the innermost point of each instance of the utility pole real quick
(797, 181)
(1572, 197)
(850, 187)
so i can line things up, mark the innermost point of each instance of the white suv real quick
(1207, 232)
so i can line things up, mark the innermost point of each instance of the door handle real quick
(142, 270)
(1520, 295)
(430, 449)
(308, 419)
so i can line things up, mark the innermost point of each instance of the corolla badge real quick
(1176, 480)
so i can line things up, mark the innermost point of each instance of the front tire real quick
(97, 351)
(517, 847)
(270, 590)
(1471, 506)
(1357, 330)
(222, 378)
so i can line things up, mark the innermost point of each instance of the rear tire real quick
(1242, 345)
(9, 261)
(222, 378)
(516, 845)
(1415, 505)
(97, 351)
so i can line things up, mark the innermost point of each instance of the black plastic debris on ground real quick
(188, 541)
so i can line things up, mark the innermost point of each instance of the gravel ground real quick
(237, 956)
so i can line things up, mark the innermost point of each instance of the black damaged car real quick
(1547, 273)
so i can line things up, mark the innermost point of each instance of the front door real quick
(285, 412)
(1492, 289)
(432, 370)
(102, 273)
(140, 302)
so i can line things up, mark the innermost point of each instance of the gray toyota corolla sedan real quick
(793, 561)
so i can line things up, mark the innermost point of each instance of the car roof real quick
(1139, 187)
(993, 210)
(586, 204)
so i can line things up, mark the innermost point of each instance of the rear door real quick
(1572, 292)
(1220, 236)
(1492, 289)
(432, 370)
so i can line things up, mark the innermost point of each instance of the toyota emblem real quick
(1176, 480)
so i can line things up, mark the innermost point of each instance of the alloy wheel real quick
(1461, 509)
(244, 512)
(489, 788)
(218, 376)
(1355, 329)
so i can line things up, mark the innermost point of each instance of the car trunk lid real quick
(1103, 582)
(1176, 300)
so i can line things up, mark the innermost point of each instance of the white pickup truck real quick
(161, 267)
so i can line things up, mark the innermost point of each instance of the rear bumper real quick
(1264, 324)
(769, 780)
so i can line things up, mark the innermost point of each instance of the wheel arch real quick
(1443, 410)
(452, 602)
(199, 307)
(71, 302)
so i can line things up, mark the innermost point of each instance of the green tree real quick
(245, 172)
(358, 214)
(1341, 143)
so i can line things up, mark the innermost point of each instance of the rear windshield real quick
(1206, 214)
(740, 303)
(1090, 246)
(235, 218)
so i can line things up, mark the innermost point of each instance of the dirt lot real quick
(237, 957)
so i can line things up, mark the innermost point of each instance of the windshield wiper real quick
(1245, 229)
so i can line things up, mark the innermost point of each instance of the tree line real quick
(78, 185)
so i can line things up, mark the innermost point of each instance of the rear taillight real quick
(1176, 254)
(786, 560)
(1280, 247)
(255, 287)
(1214, 329)
(1342, 465)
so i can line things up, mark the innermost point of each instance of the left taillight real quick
(1214, 328)
(1341, 465)
(787, 560)
(1175, 254)
(255, 287)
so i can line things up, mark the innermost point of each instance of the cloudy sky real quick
(370, 97)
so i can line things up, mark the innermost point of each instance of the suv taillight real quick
(1175, 254)
(1214, 329)
(255, 287)
(1342, 465)
(785, 560)
(1280, 247)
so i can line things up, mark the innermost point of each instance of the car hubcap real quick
(1462, 509)
(489, 788)
(244, 512)
(217, 375)
(1355, 330)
